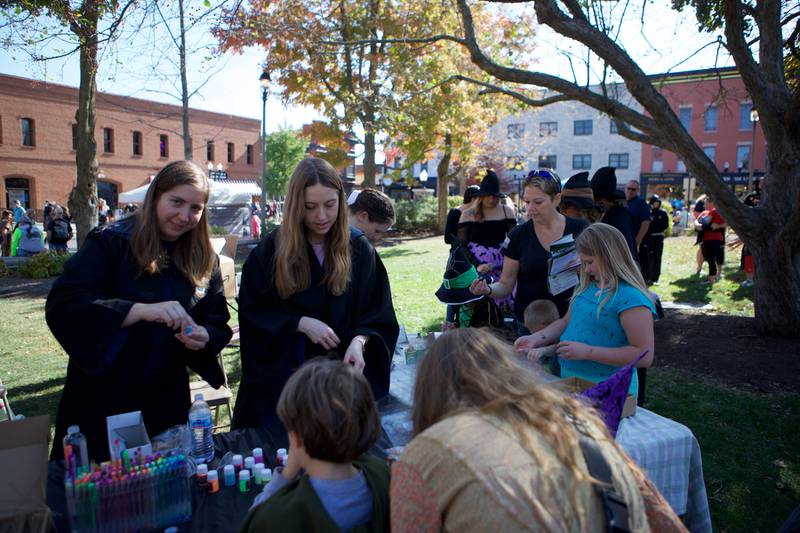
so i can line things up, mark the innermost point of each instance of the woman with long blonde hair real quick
(140, 301)
(312, 287)
(610, 318)
(495, 450)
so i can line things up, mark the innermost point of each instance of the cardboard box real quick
(129, 432)
(574, 385)
(23, 462)
(226, 264)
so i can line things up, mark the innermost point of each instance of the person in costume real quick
(140, 301)
(312, 287)
(611, 203)
(329, 482)
(494, 450)
(577, 198)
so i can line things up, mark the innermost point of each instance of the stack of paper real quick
(562, 272)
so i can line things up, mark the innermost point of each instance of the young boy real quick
(328, 484)
(538, 315)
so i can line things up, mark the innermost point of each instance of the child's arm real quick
(537, 353)
(277, 482)
(638, 325)
(543, 337)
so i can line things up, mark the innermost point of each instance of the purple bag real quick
(608, 396)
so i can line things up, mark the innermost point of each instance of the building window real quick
(711, 153)
(743, 156)
(547, 161)
(612, 127)
(657, 166)
(583, 127)
(210, 151)
(108, 141)
(230, 152)
(28, 132)
(137, 143)
(685, 114)
(74, 136)
(680, 166)
(1, 129)
(582, 161)
(744, 116)
(618, 160)
(163, 145)
(711, 118)
(249, 151)
(548, 128)
(516, 131)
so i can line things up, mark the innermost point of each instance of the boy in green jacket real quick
(328, 484)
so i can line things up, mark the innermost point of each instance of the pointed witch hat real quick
(609, 395)
(458, 276)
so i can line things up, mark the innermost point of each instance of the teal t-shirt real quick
(603, 330)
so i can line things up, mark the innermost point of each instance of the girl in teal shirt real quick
(610, 318)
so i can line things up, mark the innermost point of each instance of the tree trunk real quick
(369, 159)
(776, 295)
(83, 197)
(187, 138)
(443, 171)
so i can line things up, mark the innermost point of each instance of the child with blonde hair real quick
(538, 315)
(610, 317)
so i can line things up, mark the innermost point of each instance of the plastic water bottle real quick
(200, 424)
(76, 454)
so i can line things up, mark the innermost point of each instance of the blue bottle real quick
(200, 425)
(76, 454)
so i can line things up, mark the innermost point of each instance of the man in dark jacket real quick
(653, 245)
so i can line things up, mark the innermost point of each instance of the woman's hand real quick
(484, 268)
(574, 351)
(479, 287)
(318, 332)
(355, 354)
(193, 337)
(171, 314)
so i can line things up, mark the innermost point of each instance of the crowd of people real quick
(492, 447)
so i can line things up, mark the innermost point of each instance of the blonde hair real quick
(607, 244)
(541, 313)
(292, 271)
(193, 255)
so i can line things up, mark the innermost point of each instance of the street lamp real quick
(264, 81)
(754, 120)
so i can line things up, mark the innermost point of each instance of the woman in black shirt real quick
(529, 246)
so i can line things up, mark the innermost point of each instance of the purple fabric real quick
(493, 256)
(609, 395)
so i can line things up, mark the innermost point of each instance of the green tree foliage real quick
(285, 149)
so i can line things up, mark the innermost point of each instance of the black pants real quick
(655, 249)
(713, 253)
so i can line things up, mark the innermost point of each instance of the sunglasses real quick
(545, 175)
(634, 189)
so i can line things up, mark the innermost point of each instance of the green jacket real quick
(296, 507)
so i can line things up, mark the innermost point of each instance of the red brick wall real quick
(50, 165)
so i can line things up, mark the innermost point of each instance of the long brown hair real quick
(193, 255)
(292, 271)
(470, 369)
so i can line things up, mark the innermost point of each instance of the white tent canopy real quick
(222, 193)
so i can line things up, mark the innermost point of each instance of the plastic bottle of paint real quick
(237, 463)
(229, 475)
(250, 464)
(282, 456)
(267, 473)
(202, 474)
(76, 454)
(244, 481)
(258, 455)
(258, 474)
(213, 481)
(201, 426)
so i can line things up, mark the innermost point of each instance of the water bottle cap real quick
(202, 469)
(228, 468)
(212, 475)
(73, 429)
(244, 474)
(198, 397)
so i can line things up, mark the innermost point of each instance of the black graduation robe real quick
(114, 370)
(271, 346)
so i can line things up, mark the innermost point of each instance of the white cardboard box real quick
(127, 432)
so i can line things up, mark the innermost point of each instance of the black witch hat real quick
(458, 276)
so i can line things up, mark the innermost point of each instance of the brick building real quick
(135, 138)
(714, 107)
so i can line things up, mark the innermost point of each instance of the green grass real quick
(749, 441)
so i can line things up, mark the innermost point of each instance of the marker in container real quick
(202, 475)
(229, 475)
(258, 455)
(237, 463)
(250, 464)
(244, 481)
(213, 481)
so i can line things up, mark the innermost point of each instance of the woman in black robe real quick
(312, 287)
(140, 301)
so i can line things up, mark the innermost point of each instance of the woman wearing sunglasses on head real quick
(527, 252)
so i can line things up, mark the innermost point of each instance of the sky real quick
(234, 88)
